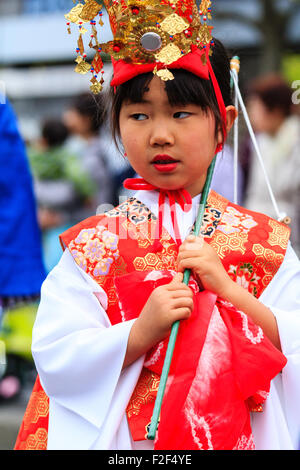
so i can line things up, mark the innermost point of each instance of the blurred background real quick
(59, 162)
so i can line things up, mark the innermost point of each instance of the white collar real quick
(185, 220)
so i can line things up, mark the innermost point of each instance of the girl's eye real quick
(181, 115)
(139, 117)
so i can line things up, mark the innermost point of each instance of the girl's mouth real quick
(164, 163)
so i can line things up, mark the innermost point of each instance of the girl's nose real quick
(161, 135)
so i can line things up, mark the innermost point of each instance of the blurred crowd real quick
(74, 167)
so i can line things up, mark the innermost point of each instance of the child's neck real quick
(196, 188)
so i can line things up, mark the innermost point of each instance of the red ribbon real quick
(219, 98)
(181, 196)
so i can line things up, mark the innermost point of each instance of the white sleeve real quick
(79, 357)
(282, 296)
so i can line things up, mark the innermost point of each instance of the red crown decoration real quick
(149, 35)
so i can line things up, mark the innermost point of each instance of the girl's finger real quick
(191, 238)
(188, 263)
(184, 293)
(195, 239)
(188, 245)
(177, 283)
(183, 313)
(189, 254)
(179, 288)
(178, 278)
(183, 302)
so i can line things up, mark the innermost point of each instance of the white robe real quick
(79, 357)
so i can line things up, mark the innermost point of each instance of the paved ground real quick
(11, 415)
(12, 411)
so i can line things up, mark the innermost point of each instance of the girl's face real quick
(171, 147)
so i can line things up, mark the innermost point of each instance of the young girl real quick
(107, 308)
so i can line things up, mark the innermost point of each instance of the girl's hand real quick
(166, 305)
(195, 254)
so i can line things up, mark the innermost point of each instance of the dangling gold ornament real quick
(82, 66)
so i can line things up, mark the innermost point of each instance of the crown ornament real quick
(154, 32)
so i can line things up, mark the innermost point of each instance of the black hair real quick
(185, 89)
(54, 132)
(92, 106)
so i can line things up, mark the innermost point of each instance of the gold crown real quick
(145, 31)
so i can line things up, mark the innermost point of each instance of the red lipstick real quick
(164, 163)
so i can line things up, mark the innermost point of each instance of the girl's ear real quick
(231, 114)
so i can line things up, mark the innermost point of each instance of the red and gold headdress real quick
(148, 35)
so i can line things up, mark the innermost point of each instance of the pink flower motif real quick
(110, 240)
(94, 250)
(232, 269)
(248, 223)
(79, 259)
(242, 281)
(102, 268)
(229, 224)
(255, 278)
(234, 221)
(245, 276)
(85, 235)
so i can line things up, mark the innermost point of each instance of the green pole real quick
(174, 330)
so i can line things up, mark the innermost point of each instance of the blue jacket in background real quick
(21, 264)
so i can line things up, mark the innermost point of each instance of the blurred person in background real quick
(86, 121)
(21, 263)
(62, 186)
(278, 132)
